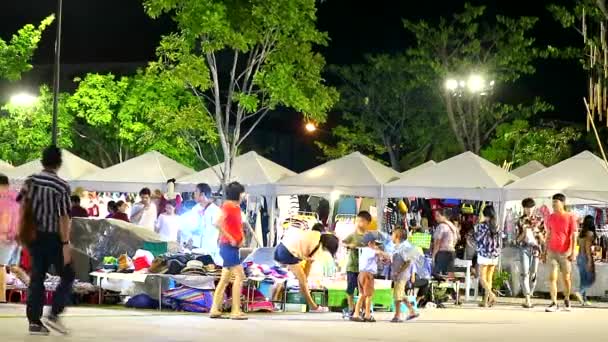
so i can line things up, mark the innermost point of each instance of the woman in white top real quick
(304, 245)
(168, 223)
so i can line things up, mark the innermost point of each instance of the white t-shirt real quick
(168, 226)
(148, 218)
(199, 224)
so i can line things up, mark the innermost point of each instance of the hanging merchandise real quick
(467, 208)
(347, 206)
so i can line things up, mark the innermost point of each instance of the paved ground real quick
(468, 323)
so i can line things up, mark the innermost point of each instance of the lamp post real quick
(474, 84)
(56, 73)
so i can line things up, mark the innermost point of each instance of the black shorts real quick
(444, 262)
(352, 282)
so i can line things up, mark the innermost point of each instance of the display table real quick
(199, 282)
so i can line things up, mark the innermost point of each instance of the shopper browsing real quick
(353, 242)
(403, 270)
(168, 223)
(230, 225)
(561, 230)
(530, 239)
(144, 213)
(584, 261)
(298, 246)
(444, 246)
(368, 267)
(487, 235)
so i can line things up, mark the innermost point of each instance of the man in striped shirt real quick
(49, 197)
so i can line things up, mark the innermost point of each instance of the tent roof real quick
(151, 170)
(419, 168)
(354, 174)
(73, 167)
(249, 169)
(465, 176)
(4, 166)
(583, 176)
(530, 168)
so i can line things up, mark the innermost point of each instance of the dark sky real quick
(109, 31)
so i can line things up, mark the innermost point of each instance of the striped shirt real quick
(50, 199)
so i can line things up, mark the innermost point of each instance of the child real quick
(230, 225)
(403, 270)
(353, 242)
(368, 267)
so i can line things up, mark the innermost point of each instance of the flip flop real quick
(412, 317)
(356, 319)
(220, 316)
(369, 320)
(239, 318)
(396, 320)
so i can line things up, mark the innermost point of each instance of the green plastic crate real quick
(156, 248)
(338, 298)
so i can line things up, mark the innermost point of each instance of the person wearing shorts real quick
(230, 224)
(368, 267)
(561, 230)
(353, 242)
(298, 246)
(487, 236)
(403, 270)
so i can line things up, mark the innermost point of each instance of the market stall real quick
(151, 170)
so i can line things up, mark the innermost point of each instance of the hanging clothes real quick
(347, 206)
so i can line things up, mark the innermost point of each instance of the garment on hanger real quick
(347, 206)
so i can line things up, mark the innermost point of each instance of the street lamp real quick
(310, 127)
(23, 100)
(475, 84)
(56, 72)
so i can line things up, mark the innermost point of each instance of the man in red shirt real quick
(230, 224)
(561, 230)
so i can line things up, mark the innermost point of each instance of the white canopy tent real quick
(354, 174)
(465, 176)
(73, 167)
(420, 168)
(250, 169)
(151, 170)
(4, 166)
(530, 168)
(584, 176)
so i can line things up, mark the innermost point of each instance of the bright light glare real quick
(476, 83)
(334, 195)
(310, 127)
(451, 84)
(23, 99)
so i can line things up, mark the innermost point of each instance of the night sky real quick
(101, 32)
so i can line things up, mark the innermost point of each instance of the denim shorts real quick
(230, 255)
(283, 256)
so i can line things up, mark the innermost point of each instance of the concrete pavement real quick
(467, 323)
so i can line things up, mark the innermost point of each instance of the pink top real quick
(9, 215)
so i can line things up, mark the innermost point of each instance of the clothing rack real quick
(345, 217)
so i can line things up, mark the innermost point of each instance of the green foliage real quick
(501, 49)
(24, 130)
(15, 55)
(242, 58)
(519, 143)
(127, 116)
(386, 110)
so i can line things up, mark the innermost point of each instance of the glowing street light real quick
(23, 100)
(451, 84)
(476, 83)
(310, 127)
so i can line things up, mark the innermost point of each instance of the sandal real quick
(356, 319)
(218, 316)
(412, 317)
(396, 320)
(239, 317)
(371, 319)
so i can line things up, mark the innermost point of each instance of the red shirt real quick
(120, 216)
(232, 222)
(562, 227)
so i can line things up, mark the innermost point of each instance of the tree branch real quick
(253, 126)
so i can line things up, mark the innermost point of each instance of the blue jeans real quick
(587, 278)
(529, 270)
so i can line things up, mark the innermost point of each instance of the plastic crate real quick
(156, 248)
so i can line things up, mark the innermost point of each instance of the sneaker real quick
(346, 313)
(552, 308)
(38, 329)
(320, 309)
(567, 306)
(54, 323)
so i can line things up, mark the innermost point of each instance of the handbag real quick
(27, 227)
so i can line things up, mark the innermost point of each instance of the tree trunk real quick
(449, 106)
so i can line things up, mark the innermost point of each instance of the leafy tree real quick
(119, 118)
(501, 50)
(24, 130)
(15, 55)
(242, 59)
(386, 111)
(519, 143)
